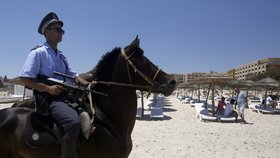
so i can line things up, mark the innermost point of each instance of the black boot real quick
(68, 149)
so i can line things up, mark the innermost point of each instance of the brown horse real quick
(118, 74)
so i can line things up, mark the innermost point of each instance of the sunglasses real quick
(58, 30)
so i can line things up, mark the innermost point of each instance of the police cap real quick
(47, 20)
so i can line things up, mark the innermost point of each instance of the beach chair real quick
(186, 100)
(253, 108)
(148, 104)
(202, 113)
(261, 109)
(139, 112)
(227, 119)
(223, 118)
(205, 116)
(198, 107)
(156, 113)
(158, 105)
(193, 102)
(276, 110)
(267, 111)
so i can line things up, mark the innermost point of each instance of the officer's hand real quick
(55, 89)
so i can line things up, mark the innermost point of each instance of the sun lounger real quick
(223, 118)
(156, 113)
(148, 104)
(157, 105)
(186, 100)
(139, 112)
(198, 107)
(276, 110)
(267, 111)
(205, 116)
(262, 110)
(193, 102)
(253, 108)
(227, 119)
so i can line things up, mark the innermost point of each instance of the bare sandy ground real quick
(181, 135)
(5, 105)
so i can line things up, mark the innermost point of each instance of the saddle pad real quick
(38, 133)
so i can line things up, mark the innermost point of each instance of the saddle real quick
(41, 130)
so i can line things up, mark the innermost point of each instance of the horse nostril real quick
(172, 82)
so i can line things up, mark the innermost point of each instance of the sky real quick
(180, 36)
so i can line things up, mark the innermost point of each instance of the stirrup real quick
(87, 127)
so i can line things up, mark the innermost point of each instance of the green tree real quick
(274, 75)
(5, 78)
(1, 84)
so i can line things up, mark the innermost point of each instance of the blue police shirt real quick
(44, 61)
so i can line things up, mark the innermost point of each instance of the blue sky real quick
(180, 36)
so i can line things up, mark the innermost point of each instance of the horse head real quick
(129, 67)
(141, 71)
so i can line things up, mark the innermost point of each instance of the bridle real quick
(151, 81)
(136, 70)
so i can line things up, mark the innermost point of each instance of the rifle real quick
(53, 81)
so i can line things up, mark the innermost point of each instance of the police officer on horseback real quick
(44, 60)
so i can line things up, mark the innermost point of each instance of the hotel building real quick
(186, 78)
(255, 68)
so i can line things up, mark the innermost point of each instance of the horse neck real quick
(121, 104)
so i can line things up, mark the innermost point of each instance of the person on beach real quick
(220, 108)
(241, 101)
(229, 112)
(44, 60)
(270, 102)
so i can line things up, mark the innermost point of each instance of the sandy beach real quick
(180, 134)
(5, 105)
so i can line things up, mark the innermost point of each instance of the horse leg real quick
(129, 147)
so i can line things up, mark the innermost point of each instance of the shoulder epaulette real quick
(37, 46)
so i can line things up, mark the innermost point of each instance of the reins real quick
(136, 70)
(122, 84)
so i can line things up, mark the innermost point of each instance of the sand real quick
(5, 105)
(180, 135)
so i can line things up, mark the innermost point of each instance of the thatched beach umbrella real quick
(267, 84)
(213, 80)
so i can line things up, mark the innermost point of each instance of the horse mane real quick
(103, 71)
(105, 67)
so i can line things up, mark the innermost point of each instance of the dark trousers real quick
(67, 119)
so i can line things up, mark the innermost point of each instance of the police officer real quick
(44, 60)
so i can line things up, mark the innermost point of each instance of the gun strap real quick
(92, 111)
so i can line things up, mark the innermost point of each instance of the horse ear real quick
(134, 44)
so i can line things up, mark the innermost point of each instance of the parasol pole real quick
(208, 94)
(198, 93)
(213, 101)
(142, 101)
